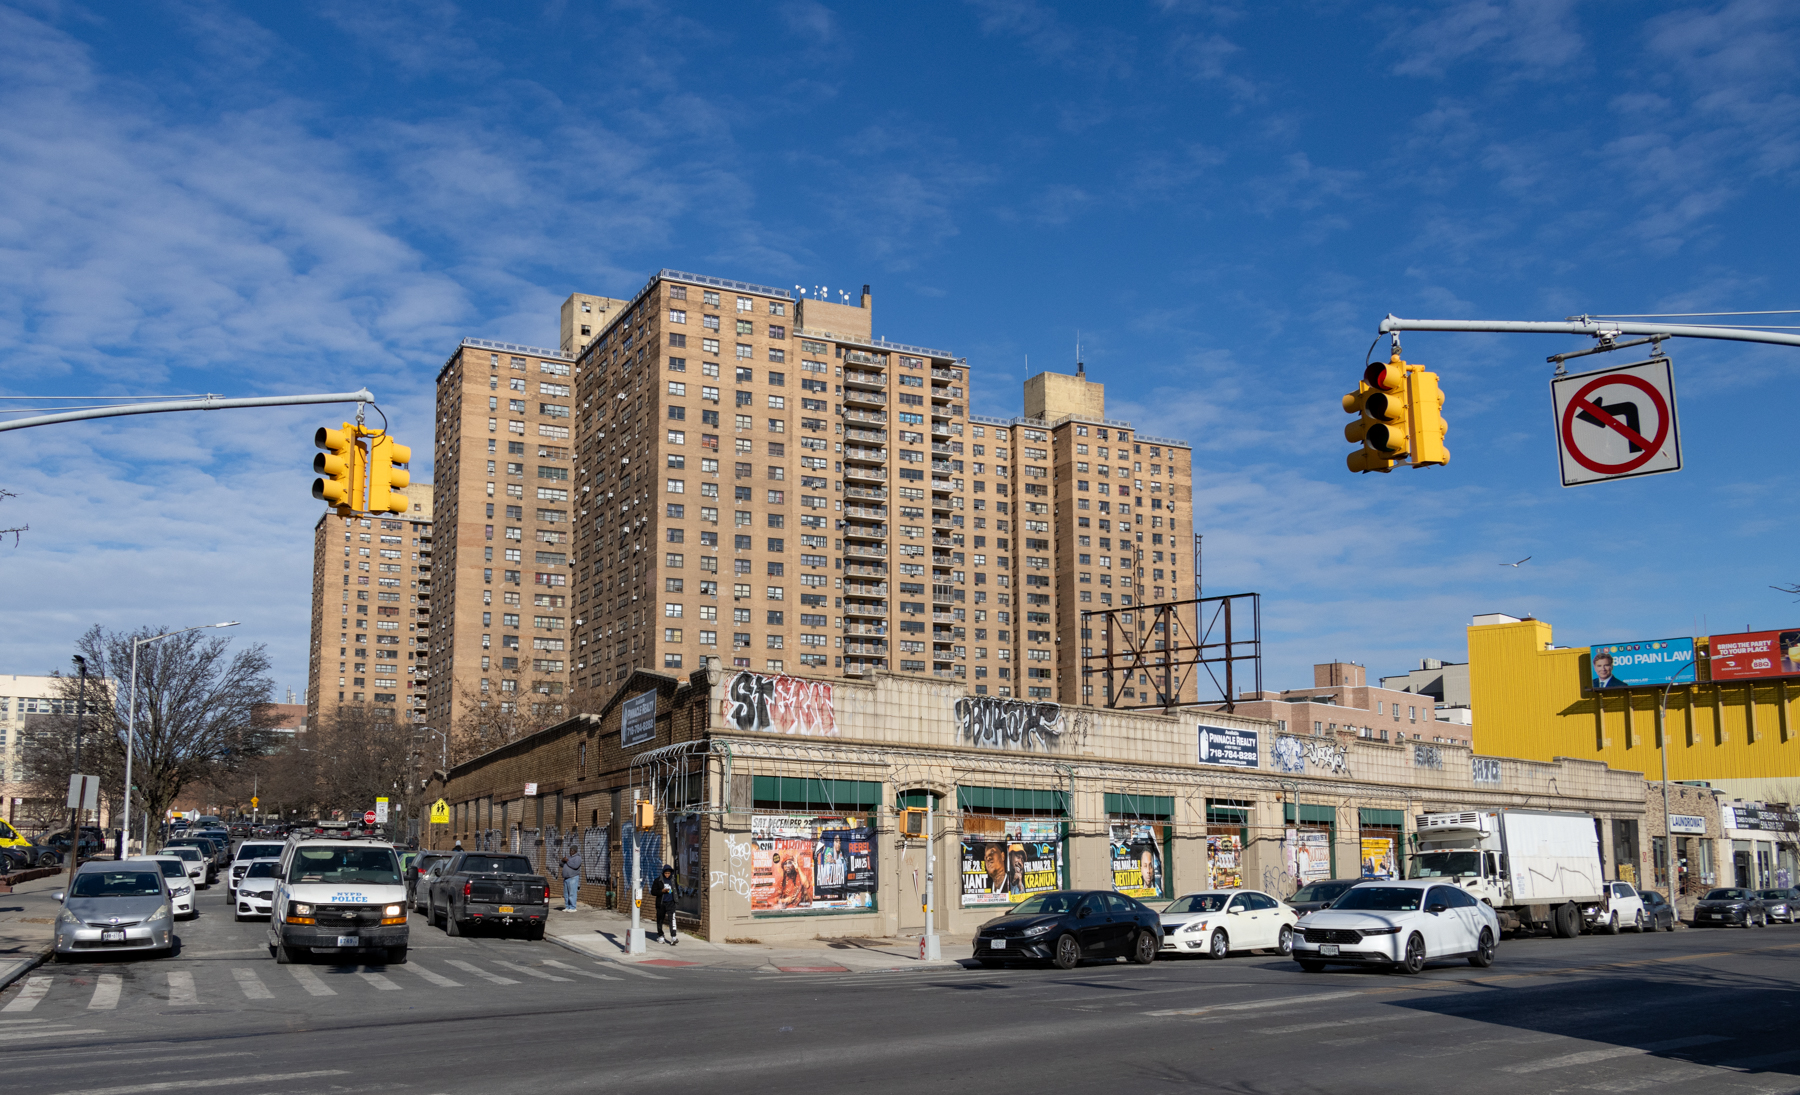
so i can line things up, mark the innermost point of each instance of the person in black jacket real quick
(663, 892)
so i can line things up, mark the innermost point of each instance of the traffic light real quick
(341, 465)
(1425, 408)
(386, 482)
(1381, 429)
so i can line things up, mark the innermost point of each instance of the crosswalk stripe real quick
(56, 1031)
(437, 979)
(181, 988)
(1590, 1056)
(252, 985)
(578, 970)
(310, 981)
(34, 990)
(378, 981)
(529, 972)
(106, 992)
(470, 967)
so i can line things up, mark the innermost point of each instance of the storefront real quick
(1309, 848)
(1227, 834)
(1139, 840)
(1761, 838)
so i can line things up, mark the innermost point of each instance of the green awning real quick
(1324, 815)
(1145, 807)
(1015, 799)
(825, 795)
(1390, 818)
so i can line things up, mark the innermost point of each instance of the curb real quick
(942, 964)
(26, 966)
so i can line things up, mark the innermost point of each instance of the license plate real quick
(1328, 950)
(997, 944)
(113, 936)
(506, 908)
(346, 941)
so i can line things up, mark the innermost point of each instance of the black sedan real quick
(1065, 926)
(1730, 908)
(1658, 913)
(1319, 895)
(1782, 904)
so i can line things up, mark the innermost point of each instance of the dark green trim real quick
(1016, 799)
(1371, 816)
(1141, 807)
(822, 795)
(1324, 815)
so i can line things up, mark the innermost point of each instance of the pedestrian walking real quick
(571, 876)
(663, 891)
(458, 846)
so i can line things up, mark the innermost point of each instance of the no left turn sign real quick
(1616, 423)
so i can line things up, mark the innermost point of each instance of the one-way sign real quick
(1616, 423)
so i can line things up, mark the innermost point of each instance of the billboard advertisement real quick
(1308, 854)
(1025, 858)
(1224, 862)
(1137, 862)
(1236, 748)
(637, 719)
(1378, 857)
(803, 863)
(1752, 655)
(1629, 665)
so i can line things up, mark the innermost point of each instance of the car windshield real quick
(263, 868)
(171, 868)
(372, 865)
(1046, 903)
(1320, 891)
(1445, 864)
(1199, 903)
(1379, 899)
(117, 884)
(1728, 895)
(496, 864)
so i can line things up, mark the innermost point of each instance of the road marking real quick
(181, 988)
(629, 968)
(577, 970)
(529, 972)
(106, 992)
(1750, 1063)
(437, 979)
(470, 967)
(252, 985)
(1297, 1028)
(310, 981)
(217, 1081)
(1253, 1004)
(378, 981)
(1592, 1055)
(39, 1032)
(34, 990)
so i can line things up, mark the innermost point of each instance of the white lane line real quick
(470, 967)
(378, 981)
(1298, 1027)
(528, 971)
(437, 979)
(252, 985)
(1286, 1001)
(39, 1032)
(216, 1081)
(578, 971)
(629, 968)
(1586, 1057)
(34, 990)
(106, 992)
(17, 1022)
(310, 981)
(181, 988)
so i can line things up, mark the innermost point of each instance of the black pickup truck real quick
(489, 888)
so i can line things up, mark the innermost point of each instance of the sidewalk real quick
(27, 925)
(604, 934)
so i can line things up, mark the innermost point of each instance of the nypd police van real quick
(338, 897)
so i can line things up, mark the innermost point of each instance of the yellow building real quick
(1531, 699)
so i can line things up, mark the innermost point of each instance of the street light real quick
(131, 719)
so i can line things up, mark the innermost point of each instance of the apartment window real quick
(677, 486)
(709, 345)
(746, 304)
(677, 315)
(677, 437)
(677, 341)
(777, 403)
(671, 661)
(678, 387)
(744, 349)
(679, 414)
(672, 609)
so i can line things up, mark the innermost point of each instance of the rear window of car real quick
(171, 868)
(1320, 891)
(259, 851)
(263, 868)
(374, 866)
(186, 852)
(496, 864)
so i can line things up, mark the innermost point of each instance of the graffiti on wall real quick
(989, 722)
(779, 705)
(1428, 756)
(737, 878)
(1292, 754)
(1486, 770)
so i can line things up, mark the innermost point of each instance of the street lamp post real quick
(131, 721)
(1662, 747)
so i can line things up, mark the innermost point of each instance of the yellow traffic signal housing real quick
(1424, 407)
(1381, 428)
(341, 468)
(912, 824)
(644, 814)
(386, 482)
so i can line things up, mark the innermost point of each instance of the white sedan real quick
(195, 860)
(174, 870)
(1217, 922)
(256, 890)
(1399, 925)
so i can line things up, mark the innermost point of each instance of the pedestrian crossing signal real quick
(912, 824)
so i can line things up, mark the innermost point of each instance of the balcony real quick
(943, 595)
(941, 541)
(857, 452)
(864, 472)
(865, 589)
(942, 467)
(940, 522)
(860, 357)
(875, 417)
(874, 551)
(942, 448)
(866, 532)
(945, 394)
(874, 513)
(876, 630)
(860, 608)
(877, 493)
(858, 395)
(946, 374)
(940, 484)
(943, 617)
(878, 436)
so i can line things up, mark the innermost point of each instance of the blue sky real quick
(1222, 199)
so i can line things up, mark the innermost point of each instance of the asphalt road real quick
(1714, 1010)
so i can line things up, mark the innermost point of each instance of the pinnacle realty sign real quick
(1229, 746)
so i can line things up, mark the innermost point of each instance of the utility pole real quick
(80, 784)
(928, 946)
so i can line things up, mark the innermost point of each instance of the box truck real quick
(1537, 868)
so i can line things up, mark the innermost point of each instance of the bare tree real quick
(486, 721)
(17, 531)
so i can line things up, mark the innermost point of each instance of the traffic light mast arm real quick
(1586, 325)
(207, 403)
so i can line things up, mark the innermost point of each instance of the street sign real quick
(368, 817)
(440, 812)
(255, 801)
(1616, 423)
(381, 810)
(84, 792)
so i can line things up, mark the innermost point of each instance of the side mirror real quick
(58, 897)
(1084, 912)
(1437, 908)
(1324, 905)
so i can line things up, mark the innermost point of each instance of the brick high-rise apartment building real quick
(372, 575)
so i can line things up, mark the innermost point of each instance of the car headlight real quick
(67, 917)
(391, 910)
(184, 891)
(1380, 931)
(300, 910)
(1194, 926)
(162, 912)
(1039, 929)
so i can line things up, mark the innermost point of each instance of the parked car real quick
(58, 844)
(115, 907)
(247, 852)
(1657, 908)
(1314, 896)
(23, 850)
(256, 889)
(1066, 926)
(1729, 906)
(488, 888)
(174, 870)
(416, 872)
(1400, 925)
(1619, 907)
(212, 849)
(199, 867)
(1782, 905)
(1217, 922)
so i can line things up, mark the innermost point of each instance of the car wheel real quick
(284, 954)
(1310, 966)
(1612, 924)
(1484, 951)
(1143, 952)
(1220, 945)
(535, 932)
(1638, 924)
(1068, 953)
(1671, 922)
(396, 956)
(1284, 944)
(1414, 959)
(452, 926)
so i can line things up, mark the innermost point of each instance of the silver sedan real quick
(115, 907)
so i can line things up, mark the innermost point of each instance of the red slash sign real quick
(1592, 411)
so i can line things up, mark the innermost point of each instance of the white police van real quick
(338, 896)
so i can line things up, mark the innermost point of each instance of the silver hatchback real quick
(115, 907)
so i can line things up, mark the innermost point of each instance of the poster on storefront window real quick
(1137, 868)
(1377, 857)
(805, 863)
(999, 870)
(1224, 862)
(1308, 853)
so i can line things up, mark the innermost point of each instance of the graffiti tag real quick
(737, 879)
(1428, 756)
(1486, 770)
(1291, 754)
(779, 704)
(993, 723)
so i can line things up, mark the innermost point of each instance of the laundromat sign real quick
(1687, 824)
